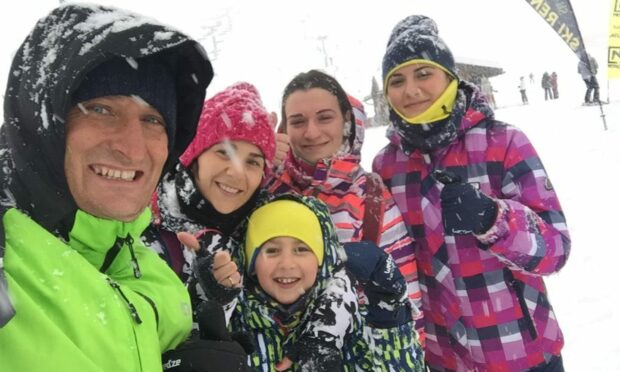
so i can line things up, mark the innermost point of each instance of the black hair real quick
(318, 79)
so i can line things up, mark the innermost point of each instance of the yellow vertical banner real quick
(613, 53)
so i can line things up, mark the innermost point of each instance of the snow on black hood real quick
(50, 64)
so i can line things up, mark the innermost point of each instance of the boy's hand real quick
(284, 364)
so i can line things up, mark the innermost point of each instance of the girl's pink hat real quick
(235, 114)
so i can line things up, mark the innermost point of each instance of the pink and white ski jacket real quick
(484, 298)
(340, 182)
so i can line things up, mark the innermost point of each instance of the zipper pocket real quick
(132, 308)
(519, 288)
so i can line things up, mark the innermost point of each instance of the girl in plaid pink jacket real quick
(486, 220)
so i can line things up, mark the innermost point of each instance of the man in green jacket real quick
(98, 102)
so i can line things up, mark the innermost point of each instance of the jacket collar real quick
(92, 236)
(180, 206)
(350, 152)
(470, 108)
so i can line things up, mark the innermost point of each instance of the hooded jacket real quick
(340, 182)
(276, 328)
(83, 288)
(484, 298)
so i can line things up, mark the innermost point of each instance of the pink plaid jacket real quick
(483, 298)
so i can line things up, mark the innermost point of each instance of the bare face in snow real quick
(286, 268)
(314, 123)
(229, 173)
(116, 147)
(412, 89)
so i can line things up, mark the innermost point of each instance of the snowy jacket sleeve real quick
(331, 319)
(530, 232)
(396, 241)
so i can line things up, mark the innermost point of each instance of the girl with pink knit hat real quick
(216, 183)
(208, 194)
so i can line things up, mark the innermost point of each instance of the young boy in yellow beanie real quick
(291, 255)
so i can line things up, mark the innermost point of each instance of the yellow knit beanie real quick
(282, 218)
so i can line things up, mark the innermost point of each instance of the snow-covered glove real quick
(314, 355)
(465, 209)
(383, 283)
(203, 271)
(212, 349)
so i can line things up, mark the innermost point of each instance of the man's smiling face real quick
(115, 150)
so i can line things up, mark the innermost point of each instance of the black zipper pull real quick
(132, 308)
(134, 261)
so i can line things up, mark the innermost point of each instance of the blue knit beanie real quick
(148, 78)
(416, 37)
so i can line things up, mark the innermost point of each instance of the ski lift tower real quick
(323, 50)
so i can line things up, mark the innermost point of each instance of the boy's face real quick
(286, 268)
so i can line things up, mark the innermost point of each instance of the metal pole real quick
(600, 106)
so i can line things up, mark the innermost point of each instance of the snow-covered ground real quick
(583, 162)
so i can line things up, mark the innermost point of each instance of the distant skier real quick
(554, 85)
(588, 68)
(546, 85)
(522, 89)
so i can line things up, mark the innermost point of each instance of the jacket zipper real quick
(132, 308)
(114, 251)
(134, 261)
(520, 293)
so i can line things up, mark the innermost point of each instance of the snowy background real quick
(267, 42)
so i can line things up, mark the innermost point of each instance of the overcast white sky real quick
(268, 42)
